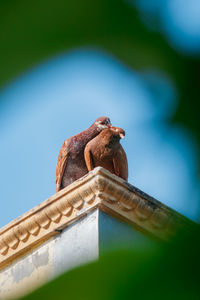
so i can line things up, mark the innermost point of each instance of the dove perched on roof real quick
(71, 164)
(106, 151)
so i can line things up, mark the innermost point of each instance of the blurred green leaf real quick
(35, 30)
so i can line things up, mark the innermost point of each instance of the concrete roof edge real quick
(98, 189)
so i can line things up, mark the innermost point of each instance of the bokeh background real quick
(65, 63)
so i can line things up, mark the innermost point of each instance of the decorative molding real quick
(99, 189)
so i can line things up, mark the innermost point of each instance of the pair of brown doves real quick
(99, 145)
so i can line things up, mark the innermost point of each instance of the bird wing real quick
(120, 163)
(88, 158)
(61, 164)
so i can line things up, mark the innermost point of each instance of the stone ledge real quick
(100, 189)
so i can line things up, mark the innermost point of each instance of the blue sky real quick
(64, 96)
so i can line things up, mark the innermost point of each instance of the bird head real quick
(117, 131)
(102, 123)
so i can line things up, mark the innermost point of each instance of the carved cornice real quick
(100, 189)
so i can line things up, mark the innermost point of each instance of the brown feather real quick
(120, 163)
(61, 164)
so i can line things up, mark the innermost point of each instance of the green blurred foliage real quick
(171, 272)
(32, 31)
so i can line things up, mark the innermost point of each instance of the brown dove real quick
(106, 151)
(71, 164)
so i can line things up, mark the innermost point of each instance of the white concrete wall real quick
(76, 245)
